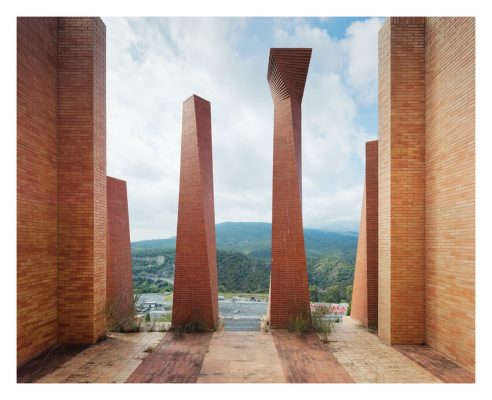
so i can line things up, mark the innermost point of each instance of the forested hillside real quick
(243, 261)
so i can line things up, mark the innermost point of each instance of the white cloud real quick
(361, 48)
(154, 64)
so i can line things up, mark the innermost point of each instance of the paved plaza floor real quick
(352, 355)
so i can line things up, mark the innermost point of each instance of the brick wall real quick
(61, 182)
(359, 293)
(384, 179)
(402, 178)
(36, 186)
(450, 187)
(119, 285)
(81, 180)
(427, 184)
(289, 291)
(364, 307)
(195, 277)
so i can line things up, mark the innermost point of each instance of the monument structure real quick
(195, 278)
(364, 307)
(289, 290)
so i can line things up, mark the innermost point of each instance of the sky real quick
(154, 64)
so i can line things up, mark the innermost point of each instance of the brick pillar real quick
(119, 283)
(81, 179)
(401, 180)
(36, 186)
(365, 293)
(289, 291)
(450, 187)
(195, 276)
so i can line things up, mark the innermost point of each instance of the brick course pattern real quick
(450, 188)
(37, 326)
(119, 284)
(427, 184)
(364, 307)
(61, 183)
(195, 278)
(401, 180)
(289, 292)
(81, 179)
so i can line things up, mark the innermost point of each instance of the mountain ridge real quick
(254, 238)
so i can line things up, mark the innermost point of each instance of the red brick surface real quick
(81, 179)
(401, 180)
(427, 184)
(438, 365)
(173, 360)
(450, 188)
(307, 360)
(195, 277)
(119, 284)
(61, 182)
(289, 292)
(36, 186)
(364, 308)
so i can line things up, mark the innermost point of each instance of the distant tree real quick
(348, 293)
(333, 294)
(314, 293)
(222, 288)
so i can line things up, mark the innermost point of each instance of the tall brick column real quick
(289, 291)
(61, 182)
(81, 179)
(401, 180)
(450, 187)
(119, 283)
(36, 186)
(195, 277)
(365, 294)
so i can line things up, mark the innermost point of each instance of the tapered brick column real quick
(401, 180)
(119, 283)
(195, 277)
(81, 179)
(365, 293)
(289, 291)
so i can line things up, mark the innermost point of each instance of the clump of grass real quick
(121, 314)
(317, 321)
(178, 331)
(321, 323)
(194, 325)
(148, 349)
(300, 323)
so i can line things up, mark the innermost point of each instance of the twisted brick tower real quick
(195, 277)
(289, 291)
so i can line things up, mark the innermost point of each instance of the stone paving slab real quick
(438, 365)
(353, 354)
(241, 357)
(110, 361)
(368, 360)
(176, 360)
(306, 360)
(48, 362)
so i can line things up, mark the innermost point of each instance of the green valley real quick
(243, 261)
